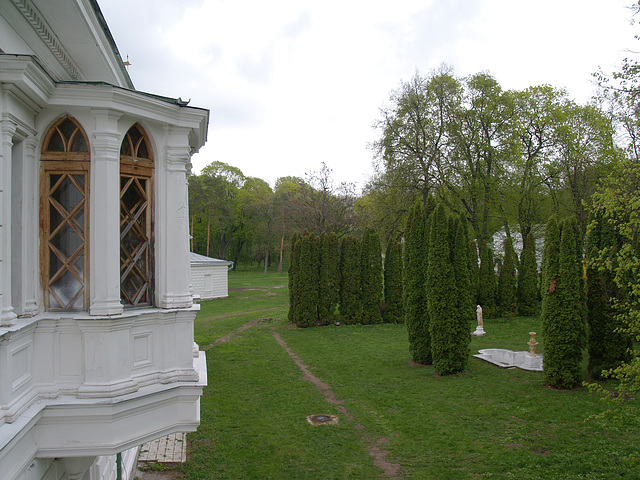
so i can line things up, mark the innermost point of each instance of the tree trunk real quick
(237, 254)
(266, 255)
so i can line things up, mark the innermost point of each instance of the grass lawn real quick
(485, 423)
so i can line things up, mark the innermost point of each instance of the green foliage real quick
(487, 282)
(609, 343)
(371, 277)
(481, 432)
(307, 283)
(563, 305)
(528, 278)
(393, 286)
(462, 271)
(294, 261)
(474, 272)
(619, 205)
(507, 289)
(350, 288)
(329, 287)
(448, 296)
(415, 268)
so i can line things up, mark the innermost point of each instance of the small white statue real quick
(480, 328)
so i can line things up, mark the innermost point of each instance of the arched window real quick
(64, 207)
(136, 217)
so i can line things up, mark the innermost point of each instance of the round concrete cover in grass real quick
(316, 420)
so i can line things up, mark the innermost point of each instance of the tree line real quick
(497, 160)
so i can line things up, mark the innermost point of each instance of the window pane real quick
(135, 272)
(66, 244)
(55, 143)
(79, 144)
(67, 128)
(125, 148)
(67, 290)
(143, 152)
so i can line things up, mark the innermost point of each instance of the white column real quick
(104, 223)
(30, 229)
(173, 233)
(7, 315)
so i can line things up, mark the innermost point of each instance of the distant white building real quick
(209, 277)
(96, 317)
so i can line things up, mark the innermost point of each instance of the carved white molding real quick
(40, 26)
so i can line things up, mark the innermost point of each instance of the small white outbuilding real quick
(209, 277)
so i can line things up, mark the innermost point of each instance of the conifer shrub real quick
(292, 277)
(447, 273)
(528, 293)
(416, 312)
(350, 287)
(393, 284)
(563, 305)
(371, 277)
(608, 343)
(463, 273)
(507, 290)
(307, 281)
(329, 278)
(487, 282)
(474, 271)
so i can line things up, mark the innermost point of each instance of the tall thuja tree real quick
(528, 278)
(371, 277)
(474, 271)
(416, 313)
(507, 290)
(563, 316)
(329, 277)
(609, 344)
(487, 282)
(393, 286)
(447, 272)
(307, 281)
(293, 276)
(350, 291)
(466, 303)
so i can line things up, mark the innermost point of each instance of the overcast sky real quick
(293, 83)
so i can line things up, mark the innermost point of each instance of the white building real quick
(96, 323)
(209, 277)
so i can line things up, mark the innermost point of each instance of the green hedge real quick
(507, 290)
(393, 286)
(528, 293)
(609, 344)
(448, 293)
(416, 312)
(563, 305)
(371, 277)
(350, 287)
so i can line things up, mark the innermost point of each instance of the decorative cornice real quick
(40, 26)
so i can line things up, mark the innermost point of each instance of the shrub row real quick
(331, 280)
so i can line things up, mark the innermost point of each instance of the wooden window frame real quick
(142, 168)
(63, 163)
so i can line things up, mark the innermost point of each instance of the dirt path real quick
(391, 470)
(379, 455)
(228, 336)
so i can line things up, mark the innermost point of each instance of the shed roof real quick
(201, 259)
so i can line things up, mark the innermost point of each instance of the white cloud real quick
(292, 83)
